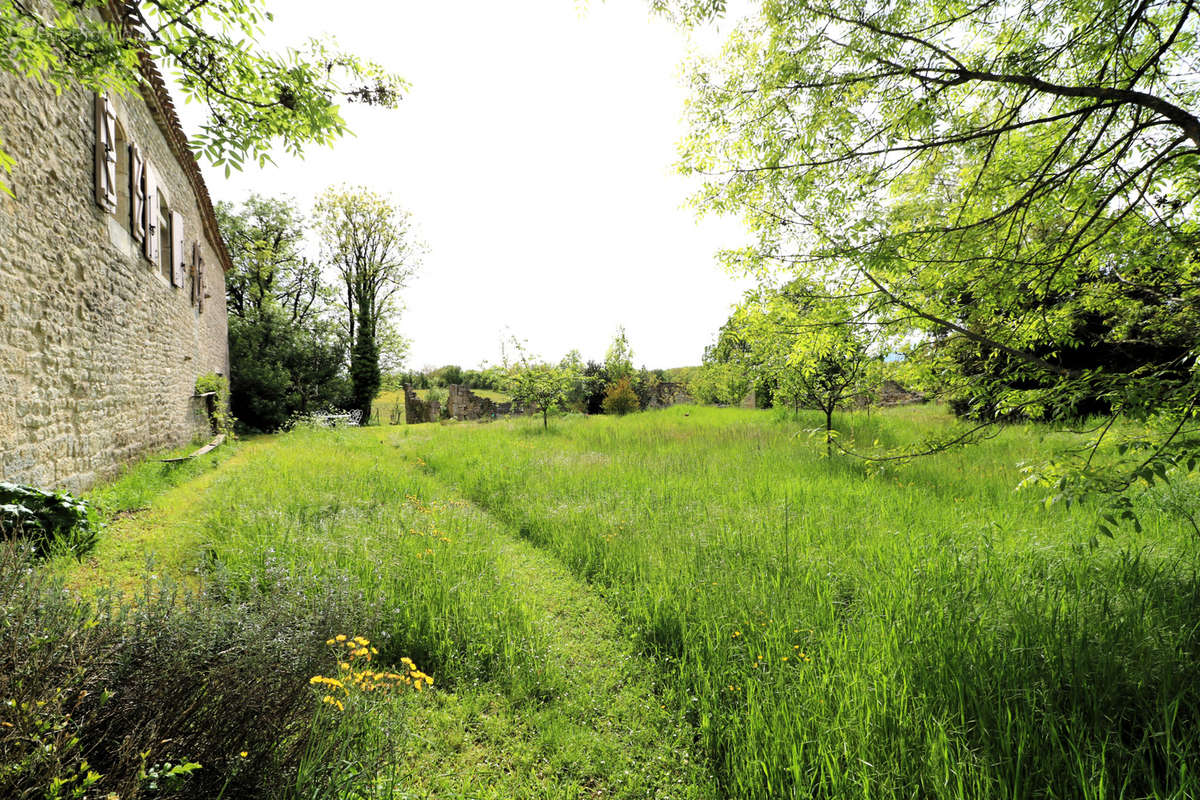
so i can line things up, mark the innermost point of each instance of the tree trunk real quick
(829, 432)
(545, 418)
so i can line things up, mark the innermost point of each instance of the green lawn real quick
(696, 603)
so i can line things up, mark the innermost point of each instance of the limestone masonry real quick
(112, 285)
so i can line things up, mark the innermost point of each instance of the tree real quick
(539, 384)
(256, 100)
(369, 242)
(1002, 177)
(286, 355)
(265, 239)
(618, 360)
(806, 352)
(620, 399)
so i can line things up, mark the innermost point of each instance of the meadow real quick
(695, 602)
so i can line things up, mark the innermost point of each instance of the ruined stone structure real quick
(461, 404)
(417, 410)
(112, 286)
(666, 393)
(892, 393)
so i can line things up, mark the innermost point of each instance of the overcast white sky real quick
(536, 153)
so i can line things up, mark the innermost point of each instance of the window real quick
(166, 255)
(123, 180)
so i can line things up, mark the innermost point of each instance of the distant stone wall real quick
(463, 404)
(892, 393)
(417, 410)
(666, 393)
(99, 352)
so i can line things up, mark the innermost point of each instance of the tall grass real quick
(341, 505)
(924, 632)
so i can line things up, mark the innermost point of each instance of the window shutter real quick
(200, 282)
(177, 255)
(150, 213)
(137, 193)
(196, 274)
(106, 154)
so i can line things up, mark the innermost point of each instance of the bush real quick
(120, 697)
(219, 416)
(279, 369)
(620, 398)
(48, 522)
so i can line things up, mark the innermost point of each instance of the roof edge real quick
(162, 108)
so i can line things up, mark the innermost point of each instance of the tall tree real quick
(257, 100)
(618, 359)
(265, 239)
(1009, 176)
(369, 242)
(286, 353)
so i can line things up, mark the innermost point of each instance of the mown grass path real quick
(604, 725)
(560, 705)
(152, 527)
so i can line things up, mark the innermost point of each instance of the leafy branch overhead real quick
(256, 100)
(1012, 187)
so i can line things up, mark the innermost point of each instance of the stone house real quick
(112, 283)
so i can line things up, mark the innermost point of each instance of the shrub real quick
(219, 416)
(620, 398)
(280, 369)
(47, 521)
(117, 695)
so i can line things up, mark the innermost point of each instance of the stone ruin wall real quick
(461, 404)
(667, 394)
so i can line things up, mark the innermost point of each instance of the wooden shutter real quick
(137, 193)
(197, 276)
(106, 154)
(200, 281)
(177, 255)
(150, 207)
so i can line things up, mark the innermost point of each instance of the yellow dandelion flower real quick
(243, 754)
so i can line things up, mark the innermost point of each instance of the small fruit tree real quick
(540, 385)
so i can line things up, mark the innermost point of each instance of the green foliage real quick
(368, 240)
(47, 522)
(618, 360)
(540, 385)
(619, 398)
(280, 370)
(257, 100)
(725, 383)
(129, 696)
(286, 354)
(364, 370)
(1010, 189)
(221, 419)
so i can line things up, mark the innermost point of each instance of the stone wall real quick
(417, 410)
(99, 353)
(665, 394)
(463, 404)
